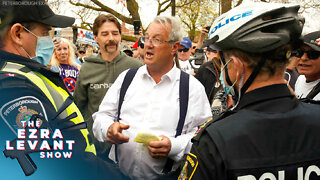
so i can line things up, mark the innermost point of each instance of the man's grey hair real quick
(166, 21)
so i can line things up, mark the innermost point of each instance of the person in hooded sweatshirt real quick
(101, 70)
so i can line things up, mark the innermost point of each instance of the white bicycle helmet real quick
(256, 27)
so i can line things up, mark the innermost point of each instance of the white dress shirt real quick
(152, 108)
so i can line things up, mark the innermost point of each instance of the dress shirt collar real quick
(171, 75)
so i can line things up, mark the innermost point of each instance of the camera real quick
(136, 26)
(198, 58)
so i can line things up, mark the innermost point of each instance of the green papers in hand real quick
(145, 138)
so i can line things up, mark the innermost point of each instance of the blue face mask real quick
(227, 89)
(44, 49)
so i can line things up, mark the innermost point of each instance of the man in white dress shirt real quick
(151, 105)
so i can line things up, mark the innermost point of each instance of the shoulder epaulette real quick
(202, 128)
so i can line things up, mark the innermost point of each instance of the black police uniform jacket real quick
(271, 136)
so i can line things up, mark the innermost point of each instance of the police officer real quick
(30, 91)
(268, 133)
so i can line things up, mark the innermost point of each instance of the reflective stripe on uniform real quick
(14, 68)
(72, 108)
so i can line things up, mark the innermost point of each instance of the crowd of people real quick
(241, 103)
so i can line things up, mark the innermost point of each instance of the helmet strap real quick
(253, 75)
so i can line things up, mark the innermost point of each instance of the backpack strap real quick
(315, 90)
(124, 87)
(184, 99)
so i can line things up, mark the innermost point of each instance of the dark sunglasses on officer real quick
(313, 55)
(184, 50)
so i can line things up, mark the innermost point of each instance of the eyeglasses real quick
(30, 31)
(313, 55)
(154, 41)
(184, 50)
(81, 52)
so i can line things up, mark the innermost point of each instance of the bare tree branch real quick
(161, 9)
(186, 23)
(164, 9)
(133, 9)
(84, 14)
(164, 2)
(238, 3)
(102, 8)
(111, 11)
(85, 5)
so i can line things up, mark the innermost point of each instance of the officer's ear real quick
(240, 65)
(16, 33)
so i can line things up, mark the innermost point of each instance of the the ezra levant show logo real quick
(35, 133)
(30, 137)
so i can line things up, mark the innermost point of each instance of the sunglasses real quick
(142, 46)
(184, 50)
(313, 55)
(81, 52)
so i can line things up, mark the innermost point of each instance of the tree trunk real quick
(225, 5)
